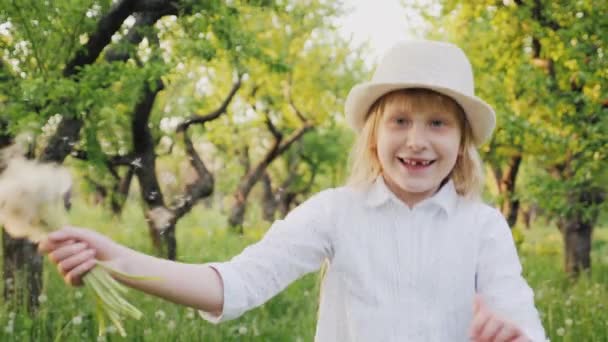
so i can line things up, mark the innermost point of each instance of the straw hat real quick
(439, 66)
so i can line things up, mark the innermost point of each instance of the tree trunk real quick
(506, 179)
(22, 269)
(577, 229)
(120, 194)
(237, 213)
(162, 229)
(529, 214)
(577, 245)
(269, 203)
(286, 202)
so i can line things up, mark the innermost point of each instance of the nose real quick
(416, 139)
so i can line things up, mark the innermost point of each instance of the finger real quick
(490, 329)
(478, 323)
(67, 264)
(66, 250)
(507, 333)
(50, 246)
(68, 232)
(47, 245)
(74, 277)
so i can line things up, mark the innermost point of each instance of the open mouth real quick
(416, 164)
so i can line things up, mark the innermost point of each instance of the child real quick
(413, 254)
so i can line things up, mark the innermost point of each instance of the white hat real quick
(439, 66)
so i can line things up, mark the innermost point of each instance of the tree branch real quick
(201, 187)
(135, 36)
(294, 137)
(106, 27)
(62, 142)
(157, 6)
(198, 119)
(278, 136)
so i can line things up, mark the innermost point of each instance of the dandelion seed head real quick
(160, 314)
(30, 204)
(77, 320)
(42, 298)
(561, 331)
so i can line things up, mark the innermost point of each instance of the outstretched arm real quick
(75, 251)
(291, 248)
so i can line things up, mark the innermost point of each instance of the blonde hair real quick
(365, 165)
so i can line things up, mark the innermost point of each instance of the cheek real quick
(451, 152)
(385, 147)
(450, 148)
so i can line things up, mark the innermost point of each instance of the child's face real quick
(417, 149)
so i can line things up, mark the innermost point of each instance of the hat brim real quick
(480, 115)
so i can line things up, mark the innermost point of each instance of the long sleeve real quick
(291, 248)
(499, 278)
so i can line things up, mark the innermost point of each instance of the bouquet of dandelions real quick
(32, 205)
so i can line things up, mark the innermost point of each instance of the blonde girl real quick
(413, 254)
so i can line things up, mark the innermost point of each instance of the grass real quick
(571, 311)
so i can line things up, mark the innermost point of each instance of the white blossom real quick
(160, 314)
(77, 320)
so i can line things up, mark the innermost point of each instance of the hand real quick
(75, 251)
(490, 327)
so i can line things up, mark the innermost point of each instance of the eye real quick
(437, 123)
(400, 120)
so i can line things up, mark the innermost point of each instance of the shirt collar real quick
(379, 194)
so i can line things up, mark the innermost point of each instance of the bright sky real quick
(381, 22)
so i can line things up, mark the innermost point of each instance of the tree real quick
(317, 68)
(112, 84)
(61, 84)
(318, 161)
(542, 66)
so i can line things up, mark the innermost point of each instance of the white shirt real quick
(395, 273)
